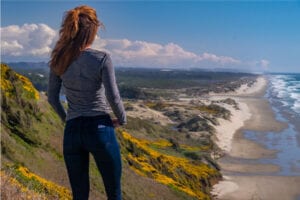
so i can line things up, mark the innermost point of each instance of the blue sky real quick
(246, 35)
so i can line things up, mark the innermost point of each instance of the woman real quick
(88, 78)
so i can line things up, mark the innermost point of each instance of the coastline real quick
(243, 178)
(226, 131)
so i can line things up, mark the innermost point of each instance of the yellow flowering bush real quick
(9, 79)
(44, 185)
(11, 188)
(27, 85)
(178, 173)
(35, 185)
(162, 143)
(6, 85)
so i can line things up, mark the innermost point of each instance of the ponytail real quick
(71, 22)
(78, 31)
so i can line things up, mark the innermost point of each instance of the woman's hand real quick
(115, 123)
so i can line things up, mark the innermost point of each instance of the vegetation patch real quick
(34, 185)
(176, 172)
(157, 105)
(10, 80)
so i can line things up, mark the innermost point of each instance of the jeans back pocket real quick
(102, 138)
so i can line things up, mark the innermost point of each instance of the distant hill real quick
(28, 65)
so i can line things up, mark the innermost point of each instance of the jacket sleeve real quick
(54, 86)
(111, 90)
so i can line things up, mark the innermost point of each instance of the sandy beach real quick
(227, 129)
(255, 114)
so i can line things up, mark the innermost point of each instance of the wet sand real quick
(244, 177)
(262, 119)
(258, 188)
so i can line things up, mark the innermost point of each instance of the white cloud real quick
(264, 64)
(11, 47)
(35, 42)
(219, 59)
(145, 54)
(258, 65)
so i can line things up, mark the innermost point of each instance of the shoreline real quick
(243, 178)
(226, 131)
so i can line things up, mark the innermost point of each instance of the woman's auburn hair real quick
(78, 30)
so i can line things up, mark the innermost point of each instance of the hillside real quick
(159, 162)
(31, 133)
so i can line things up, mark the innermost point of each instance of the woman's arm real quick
(54, 87)
(111, 90)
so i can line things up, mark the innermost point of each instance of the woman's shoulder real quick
(95, 53)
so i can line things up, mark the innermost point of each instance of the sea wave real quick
(296, 106)
(286, 88)
(295, 96)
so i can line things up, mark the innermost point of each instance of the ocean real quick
(283, 94)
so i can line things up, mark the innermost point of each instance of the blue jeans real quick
(97, 136)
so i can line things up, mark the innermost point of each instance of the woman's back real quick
(88, 81)
(83, 85)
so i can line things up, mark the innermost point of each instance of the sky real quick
(244, 35)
